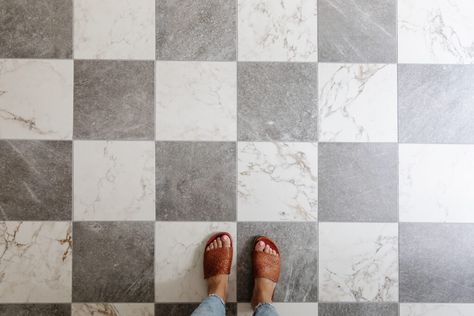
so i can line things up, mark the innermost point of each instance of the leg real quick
(263, 289)
(214, 304)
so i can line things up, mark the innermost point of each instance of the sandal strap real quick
(266, 266)
(217, 261)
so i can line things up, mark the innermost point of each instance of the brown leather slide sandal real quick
(217, 260)
(266, 265)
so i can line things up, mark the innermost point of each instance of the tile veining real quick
(436, 32)
(35, 262)
(358, 262)
(114, 180)
(283, 30)
(357, 103)
(114, 29)
(36, 99)
(285, 171)
(196, 101)
(434, 181)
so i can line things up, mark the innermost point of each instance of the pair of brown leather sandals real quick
(219, 260)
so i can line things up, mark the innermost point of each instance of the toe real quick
(267, 249)
(211, 246)
(226, 241)
(219, 242)
(207, 248)
(260, 246)
(215, 243)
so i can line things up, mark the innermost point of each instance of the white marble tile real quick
(114, 29)
(179, 248)
(357, 102)
(436, 182)
(283, 30)
(358, 262)
(283, 309)
(435, 31)
(277, 181)
(35, 262)
(114, 180)
(196, 101)
(36, 99)
(424, 309)
(113, 309)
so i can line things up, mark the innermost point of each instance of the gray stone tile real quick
(113, 99)
(113, 262)
(298, 243)
(357, 31)
(358, 309)
(36, 29)
(435, 103)
(35, 180)
(35, 309)
(196, 30)
(436, 263)
(196, 181)
(358, 182)
(277, 101)
(185, 309)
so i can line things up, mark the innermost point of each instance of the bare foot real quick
(218, 283)
(263, 289)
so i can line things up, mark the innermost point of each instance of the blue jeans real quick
(213, 305)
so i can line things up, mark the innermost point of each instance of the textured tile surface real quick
(435, 31)
(36, 99)
(149, 125)
(283, 309)
(113, 100)
(113, 262)
(195, 181)
(113, 309)
(35, 262)
(357, 31)
(285, 171)
(358, 182)
(358, 262)
(35, 309)
(435, 182)
(35, 180)
(187, 309)
(436, 263)
(114, 29)
(179, 250)
(358, 309)
(278, 30)
(114, 180)
(423, 309)
(435, 103)
(196, 101)
(297, 243)
(208, 31)
(357, 102)
(277, 101)
(36, 29)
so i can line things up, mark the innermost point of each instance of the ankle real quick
(217, 286)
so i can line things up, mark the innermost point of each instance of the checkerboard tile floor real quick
(130, 130)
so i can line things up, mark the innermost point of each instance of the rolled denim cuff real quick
(220, 298)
